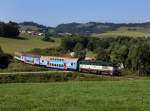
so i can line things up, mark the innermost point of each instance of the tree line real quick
(10, 30)
(132, 53)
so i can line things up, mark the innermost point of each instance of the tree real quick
(68, 43)
(1, 51)
(80, 54)
(133, 59)
(102, 55)
(79, 51)
(78, 47)
(90, 45)
(122, 54)
(10, 29)
(5, 59)
(1, 29)
(144, 58)
(138, 58)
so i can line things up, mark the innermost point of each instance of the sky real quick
(54, 12)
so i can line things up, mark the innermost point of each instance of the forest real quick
(132, 53)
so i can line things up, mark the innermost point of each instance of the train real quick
(67, 63)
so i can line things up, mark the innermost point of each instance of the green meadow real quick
(76, 96)
(124, 33)
(26, 43)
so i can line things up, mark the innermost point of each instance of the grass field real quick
(76, 96)
(124, 33)
(12, 45)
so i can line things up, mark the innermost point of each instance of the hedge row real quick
(31, 78)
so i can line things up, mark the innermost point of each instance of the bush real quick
(5, 59)
(43, 77)
(49, 51)
(48, 39)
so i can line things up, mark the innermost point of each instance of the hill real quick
(25, 44)
(31, 26)
(98, 28)
(90, 28)
(76, 96)
(123, 33)
(126, 31)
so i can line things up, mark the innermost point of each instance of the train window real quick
(71, 64)
(42, 60)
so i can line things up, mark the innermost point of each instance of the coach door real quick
(65, 66)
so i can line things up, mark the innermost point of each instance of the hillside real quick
(31, 26)
(27, 43)
(98, 28)
(87, 29)
(123, 33)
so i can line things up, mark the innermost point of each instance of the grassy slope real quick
(12, 45)
(76, 96)
(123, 31)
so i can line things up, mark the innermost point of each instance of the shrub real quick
(43, 77)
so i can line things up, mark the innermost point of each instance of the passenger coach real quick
(62, 63)
(19, 56)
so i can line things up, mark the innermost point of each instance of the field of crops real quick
(76, 96)
(25, 44)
